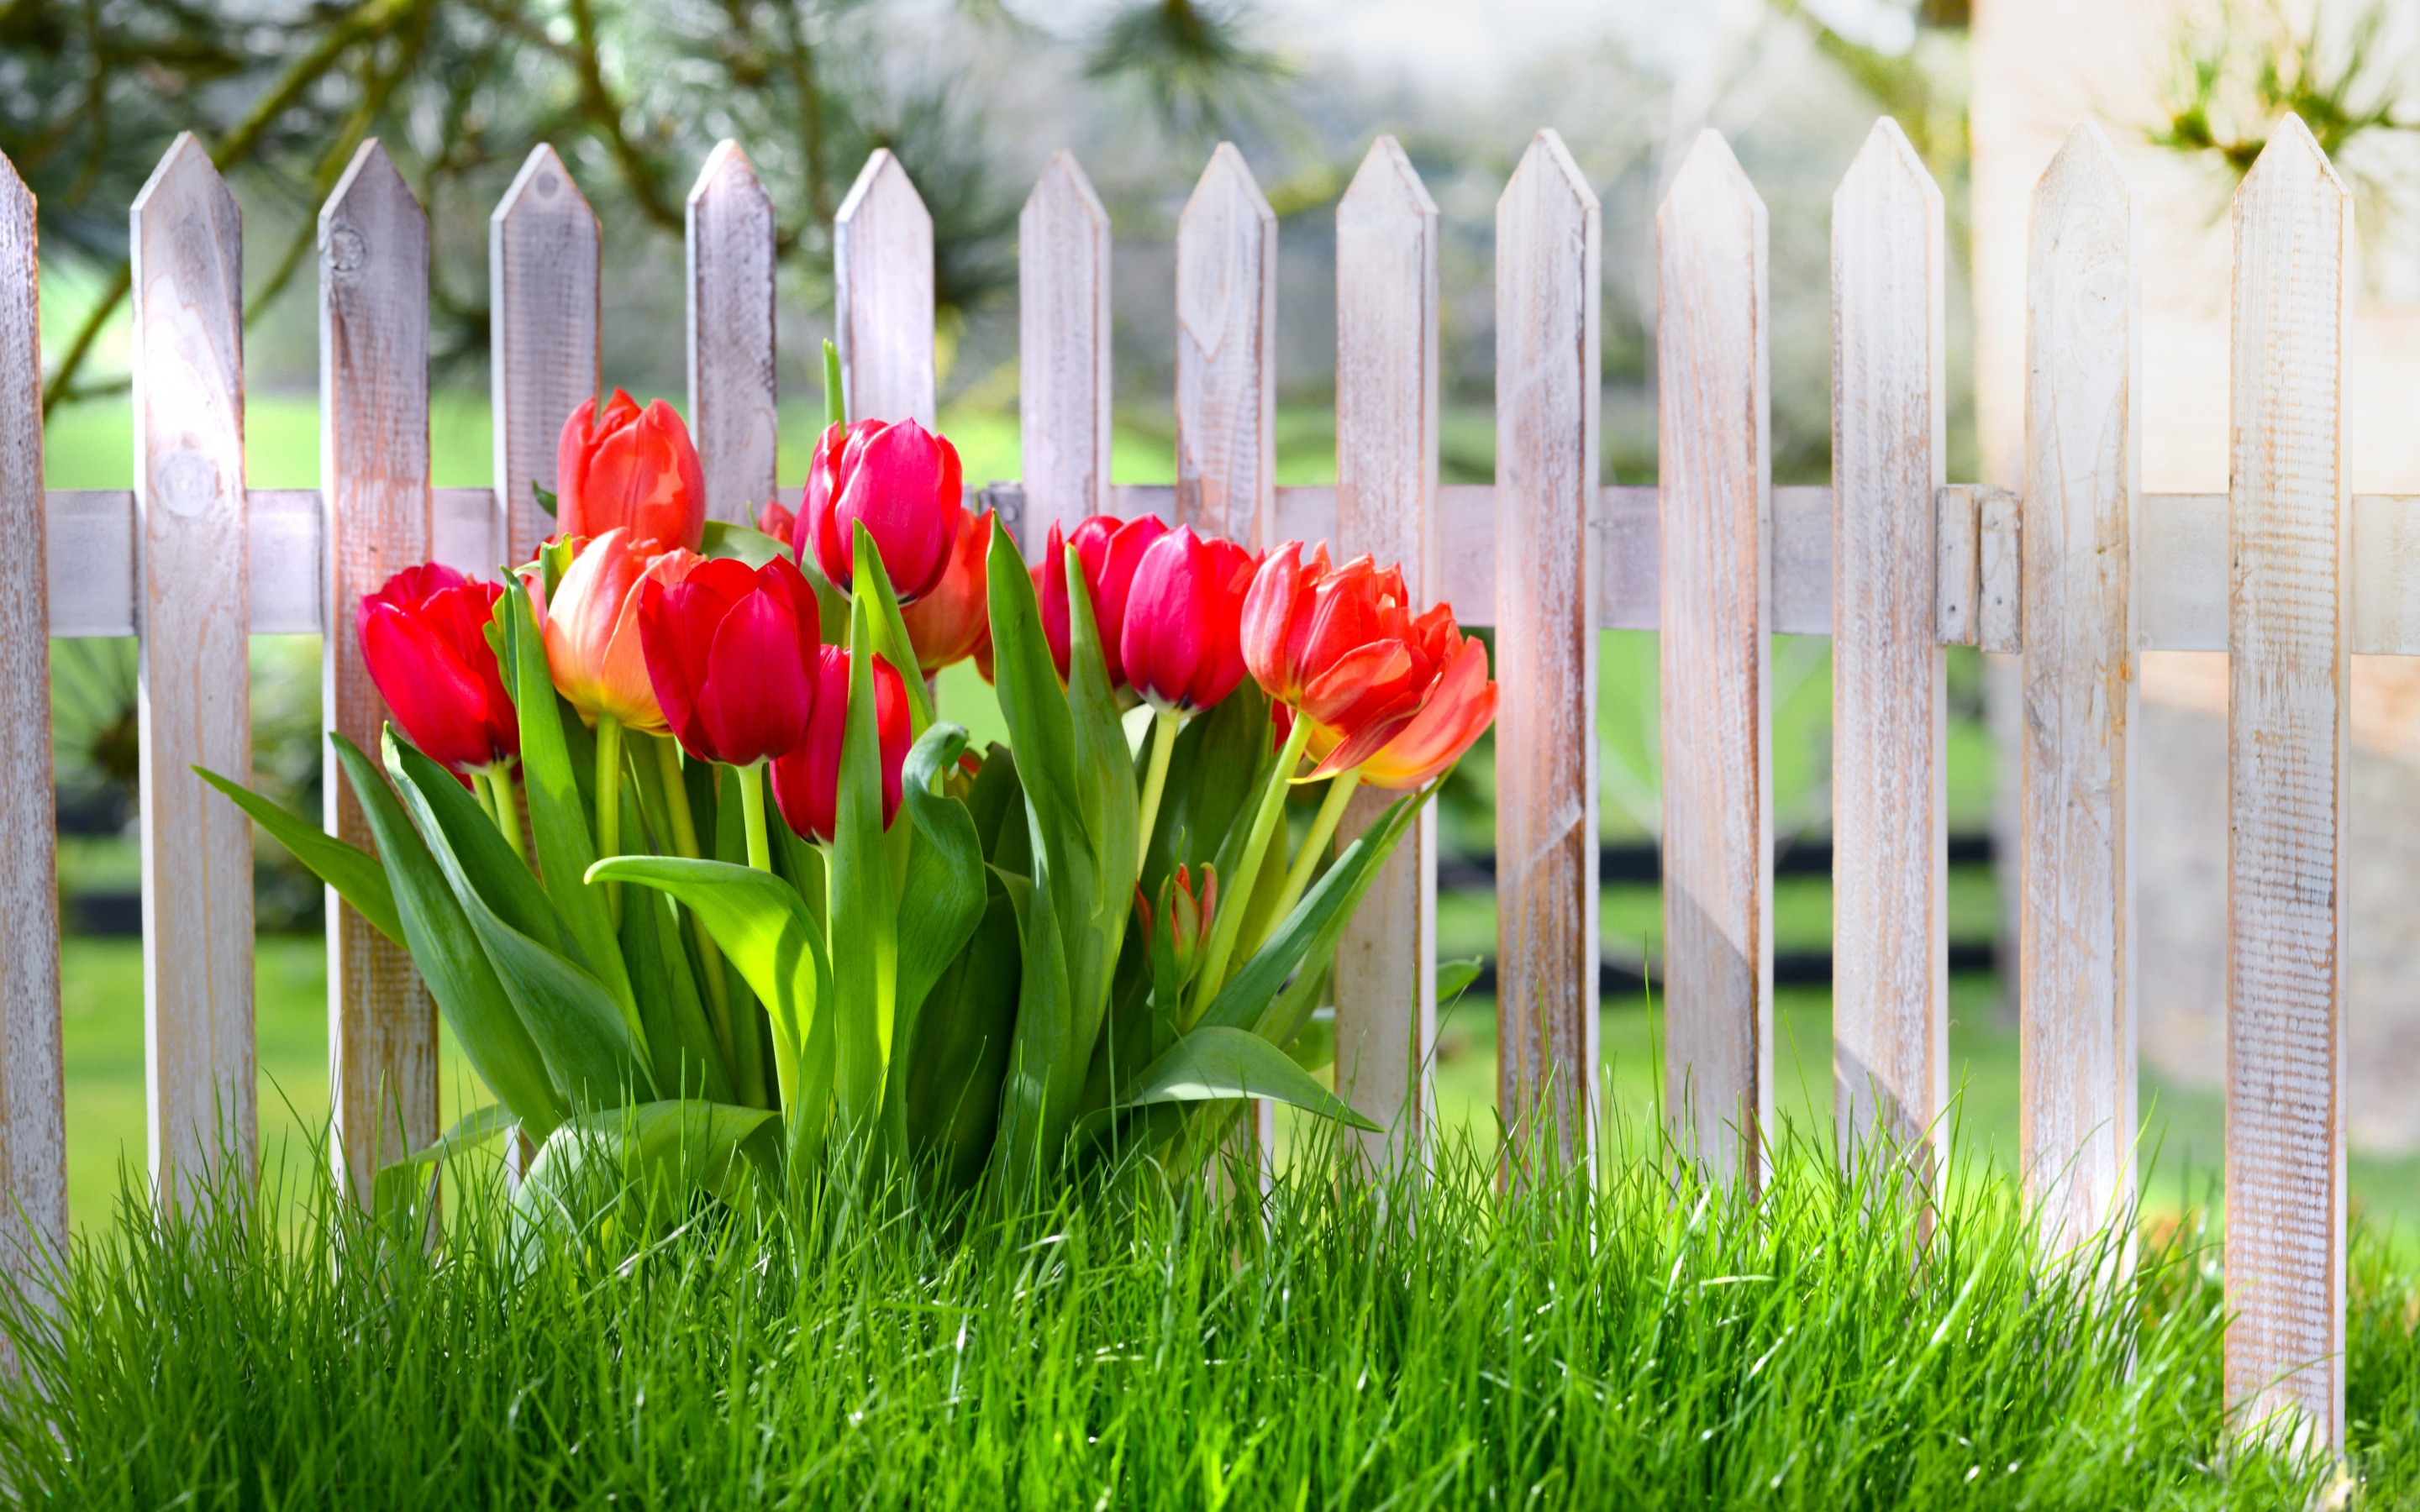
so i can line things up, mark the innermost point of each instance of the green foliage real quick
(2231, 82)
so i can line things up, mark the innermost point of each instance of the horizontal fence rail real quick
(2078, 572)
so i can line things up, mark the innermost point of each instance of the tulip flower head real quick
(903, 483)
(630, 469)
(1460, 705)
(733, 655)
(776, 520)
(423, 636)
(1108, 549)
(1181, 643)
(948, 623)
(590, 627)
(1339, 646)
(806, 779)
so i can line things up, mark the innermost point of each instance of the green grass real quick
(1643, 1342)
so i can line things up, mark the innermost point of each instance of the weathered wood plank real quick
(2288, 738)
(1062, 291)
(2083, 470)
(33, 1128)
(374, 465)
(1715, 457)
(882, 299)
(194, 696)
(732, 411)
(1226, 359)
(1386, 506)
(1547, 290)
(2000, 517)
(1958, 583)
(543, 252)
(1890, 875)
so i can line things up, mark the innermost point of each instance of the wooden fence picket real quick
(1062, 292)
(1226, 363)
(33, 1131)
(2083, 470)
(544, 308)
(374, 468)
(2288, 524)
(193, 606)
(882, 295)
(1716, 504)
(731, 410)
(1548, 294)
(1890, 927)
(1385, 504)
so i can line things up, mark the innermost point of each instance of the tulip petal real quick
(440, 703)
(755, 702)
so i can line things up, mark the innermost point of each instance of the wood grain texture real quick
(543, 294)
(33, 1127)
(1957, 546)
(374, 465)
(1226, 359)
(1385, 504)
(1547, 284)
(731, 384)
(1714, 457)
(194, 703)
(1999, 611)
(2083, 469)
(1890, 874)
(1063, 313)
(2287, 757)
(882, 296)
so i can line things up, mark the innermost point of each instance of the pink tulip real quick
(806, 779)
(1108, 549)
(1181, 646)
(903, 481)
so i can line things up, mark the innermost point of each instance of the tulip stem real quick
(608, 804)
(709, 955)
(498, 781)
(1164, 725)
(751, 807)
(1229, 920)
(1314, 845)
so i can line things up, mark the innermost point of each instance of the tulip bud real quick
(1181, 642)
(903, 481)
(946, 624)
(732, 653)
(806, 778)
(1173, 932)
(632, 468)
(423, 636)
(1108, 549)
(590, 627)
(776, 520)
(1339, 646)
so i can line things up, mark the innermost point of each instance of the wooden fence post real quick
(1548, 294)
(1715, 504)
(732, 409)
(1385, 504)
(543, 310)
(1062, 291)
(2288, 525)
(2082, 473)
(1890, 948)
(374, 467)
(192, 607)
(1226, 366)
(33, 1131)
(882, 305)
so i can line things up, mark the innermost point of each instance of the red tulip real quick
(423, 636)
(806, 780)
(1181, 642)
(632, 468)
(946, 624)
(1108, 549)
(776, 520)
(732, 653)
(903, 481)
(1339, 646)
(1461, 704)
(590, 626)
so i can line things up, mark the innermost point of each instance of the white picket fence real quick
(2078, 573)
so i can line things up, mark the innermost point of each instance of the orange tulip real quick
(955, 615)
(1339, 646)
(630, 467)
(1460, 705)
(590, 627)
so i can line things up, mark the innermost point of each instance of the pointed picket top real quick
(731, 388)
(1226, 363)
(1063, 351)
(187, 183)
(1886, 172)
(1712, 195)
(371, 183)
(1386, 366)
(2292, 163)
(544, 251)
(2084, 171)
(882, 264)
(16, 206)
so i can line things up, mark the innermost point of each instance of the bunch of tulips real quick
(984, 965)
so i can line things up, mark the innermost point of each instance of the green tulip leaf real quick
(354, 872)
(1454, 979)
(1218, 1063)
(740, 543)
(650, 1159)
(474, 855)
(957, 1055)
(890, 627)
(944, 899)
(864, 905)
